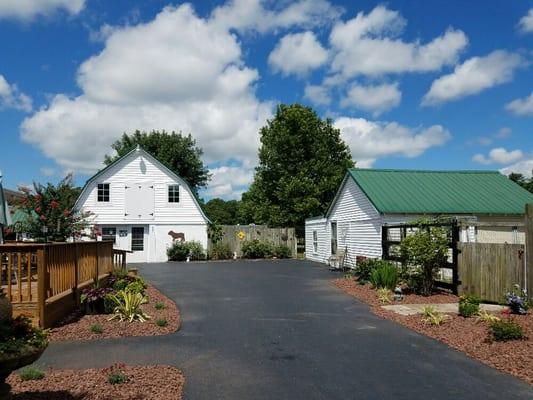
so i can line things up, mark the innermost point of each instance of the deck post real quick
(76, 274)
(41, 285)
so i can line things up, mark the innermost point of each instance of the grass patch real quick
(31, 373)
(161, 322)
(160, 305)
(96, 328)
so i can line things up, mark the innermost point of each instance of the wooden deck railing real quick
(45, 280)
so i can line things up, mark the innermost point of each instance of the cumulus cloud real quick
(29, 9)
(11, 97)
(176, 72)
(373, 98)
(370, 140)
(297, 53)
(524, 167)
(229, 182)
(502, 133)
(317, 94)
(521, 106)
(473, 76)
(48, 171)
(499, 155)
(525, 25)
(369, 45)
(252, 15)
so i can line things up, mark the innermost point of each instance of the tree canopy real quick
(177, 151)
(302, 160)
(222, 212)
(525, 182)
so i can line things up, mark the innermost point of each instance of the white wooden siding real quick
(322, 253)
(139, 169)
(352, 204)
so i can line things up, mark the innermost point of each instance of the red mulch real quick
(147, 382)
(77, 326)
(464, 334)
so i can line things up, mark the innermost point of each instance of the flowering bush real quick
(517, 300)
(49, 213)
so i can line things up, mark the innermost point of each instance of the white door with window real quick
(138, 243)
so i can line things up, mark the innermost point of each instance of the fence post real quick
(97, 262)
(528, 259)
(42, 285)
(76, 273)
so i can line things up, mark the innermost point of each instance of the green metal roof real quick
(441, 192)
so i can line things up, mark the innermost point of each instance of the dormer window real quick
(103, 192)
(173, 193)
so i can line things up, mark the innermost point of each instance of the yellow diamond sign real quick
(241, 235)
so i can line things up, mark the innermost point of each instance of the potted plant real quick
(94, 299)
(20, 343)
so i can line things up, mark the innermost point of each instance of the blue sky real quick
(428, 85)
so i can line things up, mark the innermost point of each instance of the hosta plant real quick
(128, 306)
(432, 317)
(485, 316)
(384, 295)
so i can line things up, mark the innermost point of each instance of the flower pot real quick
(9, 365)
(95, 307)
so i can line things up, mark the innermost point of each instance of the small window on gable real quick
(103, 192)
(173, 193)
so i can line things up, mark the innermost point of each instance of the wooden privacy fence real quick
(490, 269)
(235, 235)
(44, 280)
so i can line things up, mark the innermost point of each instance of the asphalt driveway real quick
(280, 330)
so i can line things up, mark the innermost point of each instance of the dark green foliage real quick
(177, 151)
(223, 212)
(159, 305)
(214, 232)
(221, 251)
(526, 183)
(161, 322)
(503, 331)
(256, 249)
(96, 328)
(137, 286)
(364, 268)
(384, 276)
(467, 309)
(281, 251)
(302, 161)
(180, 250)
(117, 378)
(18, 336)
(31, 373)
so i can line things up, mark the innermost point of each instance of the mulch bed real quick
(78, 326)
(146, 382)
(464, 334)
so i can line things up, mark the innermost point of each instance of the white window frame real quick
(108, 190)
(173, 203)
(315, 241)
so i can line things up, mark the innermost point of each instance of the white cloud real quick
(11, 97)
(176, 72)
(368, 45)
(499, 155)
(29, 9)
(526, 22)
(524, 167)
(503, 133)
(229, 182)
(252, 15)
(473, 76)
(370, 140)
(48, 171)
(373, 98)
(297, 53)
(317, 94)
(521, 106)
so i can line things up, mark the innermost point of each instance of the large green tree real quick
(525, 182)
(222, 212)
(302, 160)
(177, 151)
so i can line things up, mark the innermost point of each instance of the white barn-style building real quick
(490, 205)
(142, 206)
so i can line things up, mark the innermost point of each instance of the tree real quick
(526, 183)
(49, 211)
(222, 212)
(302, 161)
(178, 152)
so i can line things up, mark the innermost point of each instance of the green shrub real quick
(128, 306)
(384, 276)
(31, 373)
(432, 317)
(469, 305)
(503, 331)
(161, 322)
(221, 251)
(281, 251)
(364, 268)
(117, 378)
(96, 328)
(384, 295)
(137, 286)
(256, 249)
(179, 251)
(159, 305)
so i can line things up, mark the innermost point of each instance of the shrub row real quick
(257, 249)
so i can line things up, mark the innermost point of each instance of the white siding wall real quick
(323, 248)
(139, 169)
